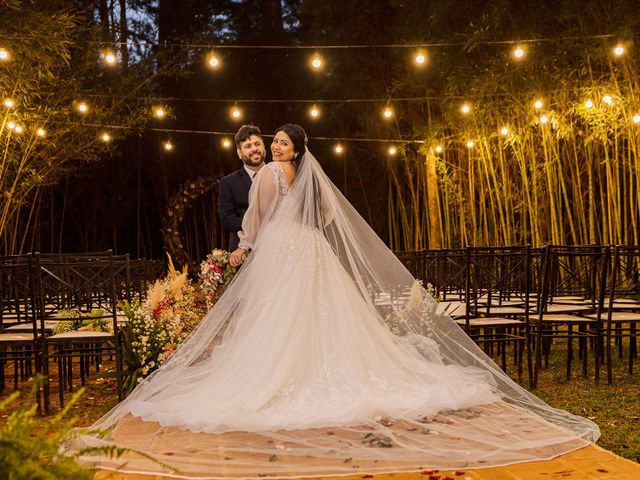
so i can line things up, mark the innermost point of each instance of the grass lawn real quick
(616, 409)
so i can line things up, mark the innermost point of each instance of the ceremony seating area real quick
(41, 294)
(520, 302)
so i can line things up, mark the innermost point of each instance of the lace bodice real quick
(282, 179)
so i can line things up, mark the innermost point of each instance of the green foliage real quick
(30, 450)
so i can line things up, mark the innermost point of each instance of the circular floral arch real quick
(179, 204)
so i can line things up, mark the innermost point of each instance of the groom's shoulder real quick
(233, 175)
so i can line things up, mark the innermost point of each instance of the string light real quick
(465, 108)
(544, 119)
(19, 129)
(607, 99)
(41, 132)
(636, 118)
(471, 144)
(105, 137)
(226, 143)
(392, 151)
(387, 113)
(420, 58)
(159, 112)
(619, 50)
(8, 103)
(236, 113)
(588, 104)
(11, 125)
(316, 62)
(213, 60)
(338, 149)
(110, 58)
(83, 107)
(504, 131)
(538, 104)
(518, 53)
(168, 146)
(4, 54)
(314, 112)
(439, 149)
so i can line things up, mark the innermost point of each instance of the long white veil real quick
(496, 421)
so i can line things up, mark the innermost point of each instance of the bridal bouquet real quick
(215, 274)
(158, 325)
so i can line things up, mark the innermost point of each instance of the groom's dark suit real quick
(233, 200)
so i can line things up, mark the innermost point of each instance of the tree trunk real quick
(435, 236)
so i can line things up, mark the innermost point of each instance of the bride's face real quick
(282, 148)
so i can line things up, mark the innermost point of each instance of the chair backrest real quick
(624, 280)
(16, 290)
(446, 271)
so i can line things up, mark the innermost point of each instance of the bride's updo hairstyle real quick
(298, 137)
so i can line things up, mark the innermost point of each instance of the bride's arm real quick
(262, 199)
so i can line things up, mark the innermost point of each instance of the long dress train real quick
(324, 357)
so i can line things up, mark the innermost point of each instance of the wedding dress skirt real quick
(312, 365)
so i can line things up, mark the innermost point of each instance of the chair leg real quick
(569, 351)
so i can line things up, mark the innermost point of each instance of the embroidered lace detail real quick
(282, 180)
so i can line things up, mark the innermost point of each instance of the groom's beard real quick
(253, 160)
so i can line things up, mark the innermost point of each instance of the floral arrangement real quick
(159, 324)
(215, 274)
(82, 321)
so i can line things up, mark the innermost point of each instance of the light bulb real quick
(387, 113)
(338, 149)
(504, 131)
(618, 51)
(465, 108)
(316, 62)
(544, 119)
(11, 126)
(439, 149)
(110, 58)
(588, 104)
(159, 112)
(83, 107)
(8, 103)
(213, 61)
(19, 129)
(518, 53)
(105, 137)
(314, 112)
(236, 113)
(168, 146)
(538, 104)
(392, 151)
(420, 58)
(471, 144)
(4, 54)
(636, 118)
(226, 143)
(41, 132)
(607, 99)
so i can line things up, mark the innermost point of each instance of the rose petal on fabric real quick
(458, 472)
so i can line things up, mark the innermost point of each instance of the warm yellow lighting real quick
(41, 132)
(618, 51)
(11, 126)
(226, 143)
(314, 112)
(538, 104)
(4, 54)
(316, 62)
(392, 151)
(387, 113)
(544, 119)
(439, 149)
(471, 144)
(421, 58)
(518, 53)
(105, 137)
(213, 60)
(607, 99)
(83, 107)
(338, 149)
(504, 131)
(588, 104)
(110, 58)
(19, 129)
(168, 146)
(465, 108)
(636, 118)
(236, 113)
(159, 112)
(8, 103)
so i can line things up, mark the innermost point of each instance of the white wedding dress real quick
(324, 357)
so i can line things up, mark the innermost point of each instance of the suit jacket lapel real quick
(246, 179)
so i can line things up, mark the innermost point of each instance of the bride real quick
(324, 357)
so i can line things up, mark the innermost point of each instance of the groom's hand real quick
(237, 257)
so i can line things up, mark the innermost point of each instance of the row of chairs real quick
(527, 298)
(39, 291)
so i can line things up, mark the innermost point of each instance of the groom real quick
(233, 198)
